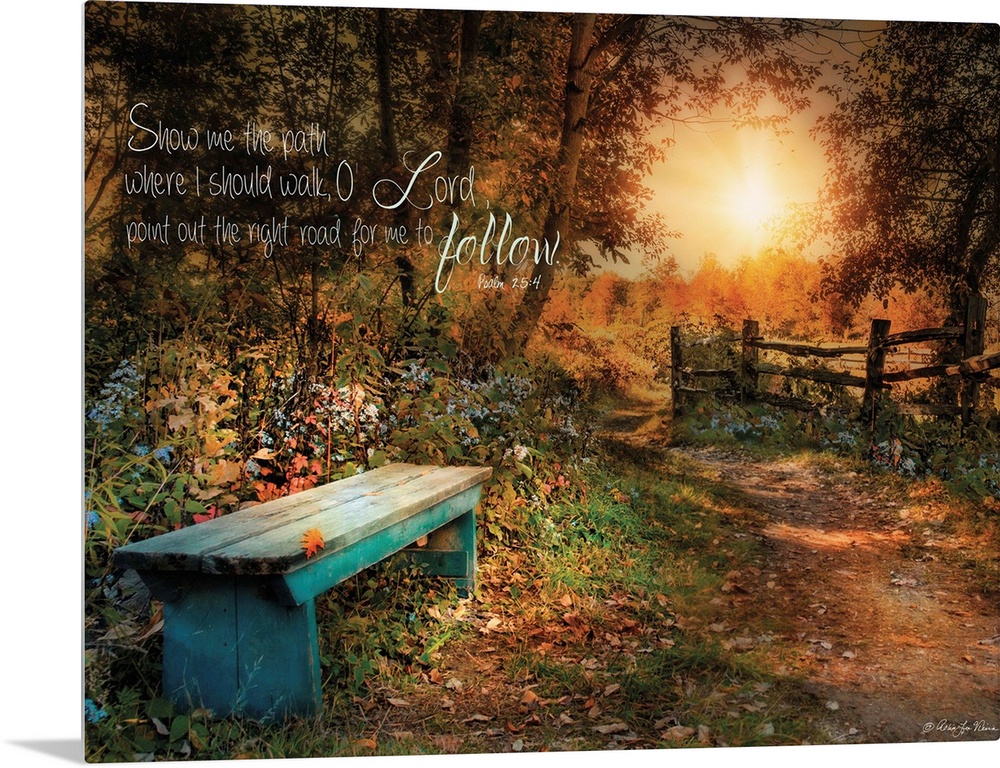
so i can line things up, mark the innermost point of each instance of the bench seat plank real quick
(279, 550)
(267, 538)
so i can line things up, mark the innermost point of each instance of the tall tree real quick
(913, 196)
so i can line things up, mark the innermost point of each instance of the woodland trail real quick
(866, 597)
(873, 612)
(850, 605)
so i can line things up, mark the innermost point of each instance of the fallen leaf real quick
(529, 698)
(402, 735)
(832, 706)
(518, 745)
(312, 541)
(366, 743)
(478, 718)
(448, 742)
(613, 688)
(566, 600)
(704, 735)
(678, 733)
(399, 702)
(160, 727)
(611, 728)
(574, 620)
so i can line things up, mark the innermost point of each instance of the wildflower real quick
(141, 450)
(164, 453)
(91, 518)
(253, 468)
(121, 389)
(93, 714)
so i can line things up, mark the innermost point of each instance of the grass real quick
(609, 613)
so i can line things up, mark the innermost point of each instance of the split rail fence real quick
(744, 379)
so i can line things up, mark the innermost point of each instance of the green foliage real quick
(966, 458)
(387, 622)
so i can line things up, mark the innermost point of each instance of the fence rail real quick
(870, 360)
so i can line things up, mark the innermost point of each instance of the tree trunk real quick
(579, 80)
(387, 132)
(461, 127)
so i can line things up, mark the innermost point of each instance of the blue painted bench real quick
(239, 591)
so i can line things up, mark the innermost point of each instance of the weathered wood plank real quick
(694, 390)
(973, 365)
(928, 409)
(828, 377)
(726, 373)
(184, 549)
(230, 649)
(911, 374)
(343, 514)
(923, 334)
(317, 574)
(805, 350)
(874, 368)
(280, 549)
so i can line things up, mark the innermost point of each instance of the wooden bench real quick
(238, 592)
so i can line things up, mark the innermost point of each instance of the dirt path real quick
(861, 599)
(873, 612)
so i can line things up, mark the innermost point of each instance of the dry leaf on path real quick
(611, 728)
(678, 733)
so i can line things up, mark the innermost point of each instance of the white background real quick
(41, 408)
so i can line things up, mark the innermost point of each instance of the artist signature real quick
(958, 730)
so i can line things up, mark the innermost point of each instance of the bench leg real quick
(228, 647)
(450, 552)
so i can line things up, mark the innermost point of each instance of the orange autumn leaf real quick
(312, 541)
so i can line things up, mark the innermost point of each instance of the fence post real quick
(675, 368)
(874, 368)
(749, 378)
(975, 323)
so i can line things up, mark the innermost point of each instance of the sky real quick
(722, 187)
(725, 190)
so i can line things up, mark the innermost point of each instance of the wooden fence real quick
(873, 379)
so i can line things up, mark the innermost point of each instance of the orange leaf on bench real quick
(312, 540)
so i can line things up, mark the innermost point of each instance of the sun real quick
(752, 200)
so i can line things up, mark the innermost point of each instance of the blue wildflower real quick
(93, 713)
(253, 468)
(164, 453)
(91, 518)
(141, 450)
